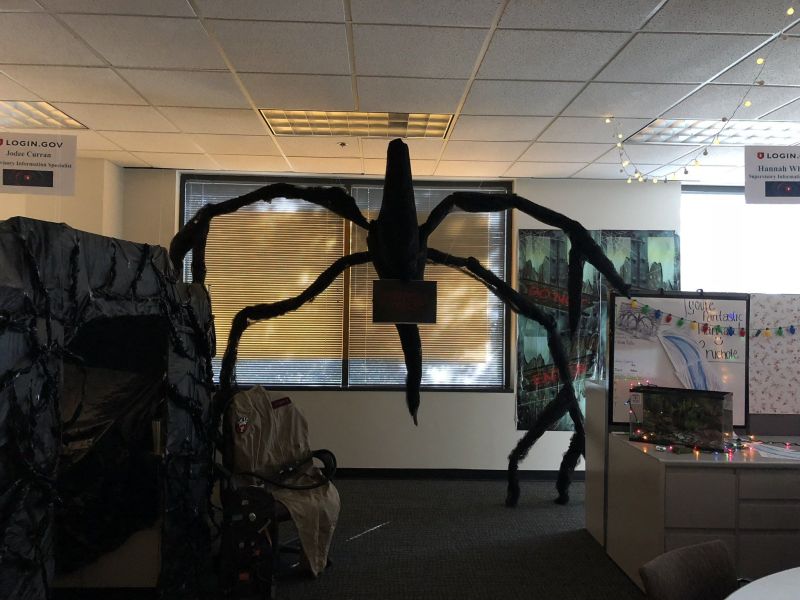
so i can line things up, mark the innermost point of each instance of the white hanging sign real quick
(37, 164)
(772, 174)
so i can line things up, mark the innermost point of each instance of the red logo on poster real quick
(760, 155)
(1, 141)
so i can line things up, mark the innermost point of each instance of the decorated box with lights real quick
(700, 419)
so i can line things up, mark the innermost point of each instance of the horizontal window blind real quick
(465, 346)
(269, 252)
(265, 253)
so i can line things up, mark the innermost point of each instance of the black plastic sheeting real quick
(98, 339)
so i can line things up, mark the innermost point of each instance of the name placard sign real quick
(772, 174)
(37, 164)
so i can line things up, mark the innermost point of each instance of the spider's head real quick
(398, 189)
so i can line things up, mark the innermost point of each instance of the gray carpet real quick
(456, 540)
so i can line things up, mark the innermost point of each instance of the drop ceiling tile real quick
(395, 51)
(703, 175)
(419, 168)
(186, 88)
(677, 57)
(520, 98)
(607, 171)
(543, 55)
(263, 164)
(10, 90)
(300, 92)
(113, 117)
(252, 145)
(148, 41)
(154, 142)
(326, 165)
(590, 129)
(452, 13)
(216, 120)
(780, 68)
(274, 10)
(173, 160)
(27, 38)
(417, 148)
(320, 146)
(640, 154)
(388, 94)
(484, 151)
(723, 156)
(118, 157)
(638, 100)
(75, 84)
(554, 152)
(717, 101)
(487, 128)
(557, 170)
(721, 16)
(164, 8)
(266, 47)
(91, 140)
(790, 112)
(471, 168)
(597, 15)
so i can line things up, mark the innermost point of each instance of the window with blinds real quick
(269, 252)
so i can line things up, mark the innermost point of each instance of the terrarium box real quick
(697, 418)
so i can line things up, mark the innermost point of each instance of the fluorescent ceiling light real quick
(367, 124)
(34, 115)
(695, 132)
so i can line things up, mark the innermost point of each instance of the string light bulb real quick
(705, 151)
(619, 135)
(626, 162)
(716, 141)
(619, 144)
(747, 104)
(760, 60)
(790, 11)
(608, 119)
(641, 179)
(629, 179)
(695, 162)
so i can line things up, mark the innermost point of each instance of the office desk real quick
(658, 501)
(783, 585)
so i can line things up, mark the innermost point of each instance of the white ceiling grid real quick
(177, 83)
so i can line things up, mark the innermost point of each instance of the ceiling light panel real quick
(365, 124)
(34, 115)
(697, 132)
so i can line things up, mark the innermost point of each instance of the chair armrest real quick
(328, 460)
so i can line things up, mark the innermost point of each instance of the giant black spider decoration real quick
(398, 248)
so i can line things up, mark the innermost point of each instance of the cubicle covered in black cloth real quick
(105, 388)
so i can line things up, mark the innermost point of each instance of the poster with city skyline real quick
(646, 259)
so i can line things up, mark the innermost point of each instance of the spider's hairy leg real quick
(260, 312)
(564, 401)
(584, 247)
(193, 235)
(412, 351)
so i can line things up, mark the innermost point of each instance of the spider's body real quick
(398, 248)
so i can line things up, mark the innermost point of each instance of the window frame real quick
(347, 183)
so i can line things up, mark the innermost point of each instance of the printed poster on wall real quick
(646, 259)
(37, 164)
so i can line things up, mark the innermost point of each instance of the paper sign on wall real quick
(37, 164)
(772, 174)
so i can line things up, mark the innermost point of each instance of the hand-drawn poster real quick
(647, 259)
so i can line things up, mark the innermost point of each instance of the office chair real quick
(699, 572)
(270, 477)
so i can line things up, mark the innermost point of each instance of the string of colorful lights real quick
(627, 164)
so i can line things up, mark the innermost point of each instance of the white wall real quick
(150, 206)
(96, 206)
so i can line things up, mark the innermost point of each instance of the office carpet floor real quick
(455, 540)
(427, 539)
